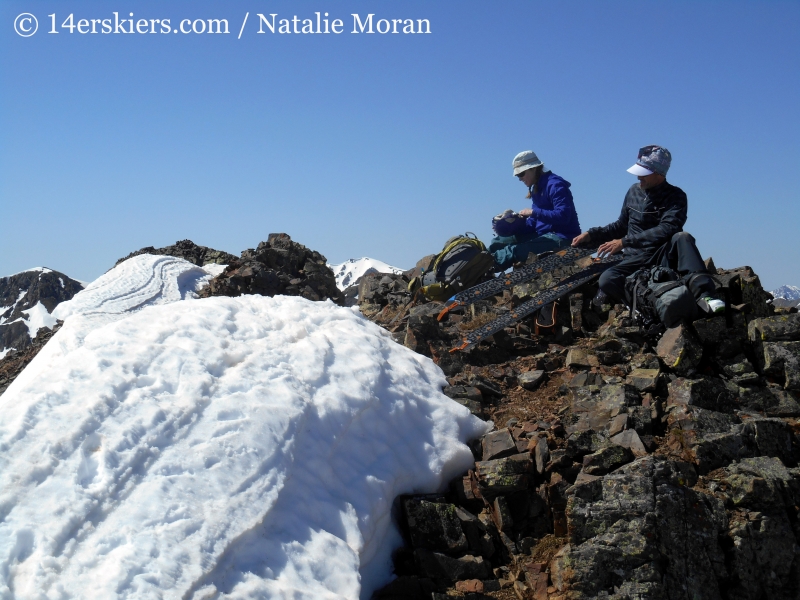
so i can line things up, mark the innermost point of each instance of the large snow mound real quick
(351, 270)
(216, 448)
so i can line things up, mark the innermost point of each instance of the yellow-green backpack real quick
(462, 263)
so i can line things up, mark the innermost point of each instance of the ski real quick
(536, 302)
(507, 281)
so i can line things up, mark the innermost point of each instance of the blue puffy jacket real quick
(553, 208)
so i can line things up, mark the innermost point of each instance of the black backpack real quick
(461, 264)
(660, 296)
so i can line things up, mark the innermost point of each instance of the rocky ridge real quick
(22, 295)
(621, 467)
(187, 250)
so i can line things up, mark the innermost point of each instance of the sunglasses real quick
(521, 175)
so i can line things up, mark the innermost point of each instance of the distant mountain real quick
(786, 295)
(349, 272)
(26, 301)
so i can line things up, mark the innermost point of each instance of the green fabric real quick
(515, 248)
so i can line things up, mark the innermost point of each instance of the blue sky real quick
(386, 145)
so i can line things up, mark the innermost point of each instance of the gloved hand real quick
(508, 223)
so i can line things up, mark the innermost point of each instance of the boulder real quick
(434, 526)
(578, 359)
(498, 444)
(640, 529)
(782, 359)
(277, 266)
(504, 475)
(720, 339)
(530, 380)
(773, 401)
(680, 350)
(630, 440)
(709, 392)
(606, 460)
(780, 328)
(446, 570)
(644, 380)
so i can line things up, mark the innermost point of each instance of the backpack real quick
(658, 295)
(461, 264)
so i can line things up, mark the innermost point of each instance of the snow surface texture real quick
(243, 447)
(348, 272)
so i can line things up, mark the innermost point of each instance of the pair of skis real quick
(528, 273)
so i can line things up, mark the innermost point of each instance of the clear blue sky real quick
(386, 145)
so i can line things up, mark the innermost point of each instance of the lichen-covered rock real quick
(763, 482)
(709, 392)
(630, 439)
(434, 526)
(680, 350)
(504, 475)
(591, 411)
(782, 359)
(606, 460)
(641, 529)
(774, 402)
(720, 339)
(779, 328)
(644, 380)
(709, 439)
(763, 556)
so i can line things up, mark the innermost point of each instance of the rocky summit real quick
(621, 466)
(277, 266)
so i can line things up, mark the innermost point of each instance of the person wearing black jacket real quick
(649, 230)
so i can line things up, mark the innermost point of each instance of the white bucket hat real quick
(524, 161)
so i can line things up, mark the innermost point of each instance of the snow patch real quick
(5, 351)
(349, 271)
(213, 269)
(38, 317)
(225, 447)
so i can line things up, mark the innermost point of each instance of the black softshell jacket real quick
(648, 219)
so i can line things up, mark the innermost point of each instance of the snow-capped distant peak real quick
(40, 270)
(351, 270)
(787, 292)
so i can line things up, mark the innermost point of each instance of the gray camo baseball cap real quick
(651, 159)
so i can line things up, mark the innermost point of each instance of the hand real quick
(525, 212)
(583, 238)
(609, 248)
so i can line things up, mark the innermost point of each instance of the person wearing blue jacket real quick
(551, 222)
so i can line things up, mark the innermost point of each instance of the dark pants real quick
(515, 248)
(679, 254)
